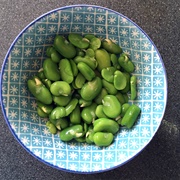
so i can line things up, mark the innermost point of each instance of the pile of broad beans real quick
(82, 88)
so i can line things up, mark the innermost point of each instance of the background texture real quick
(160, 159)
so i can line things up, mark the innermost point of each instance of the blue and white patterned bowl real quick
(25, 57)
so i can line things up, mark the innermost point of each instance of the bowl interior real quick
(25, 57)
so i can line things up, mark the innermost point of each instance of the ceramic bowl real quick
(24, 58)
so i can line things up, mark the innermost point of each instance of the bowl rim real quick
(6, 59)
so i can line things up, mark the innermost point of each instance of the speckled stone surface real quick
(160, 159)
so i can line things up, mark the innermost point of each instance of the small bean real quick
(90, 52)
(109, 87)
(88, 113)
(74, 68)
(95, 43)
(89, 36)
(108, 74)
(102, 58)
(55, 57)
(126, 63)
(130, 116)
(66, 71)
(60, 88)
(124, 108)
(51, 71)
(111, 46)
(114, 61)
(99, 112)
(119, 80)
(40, 74)
(62, 123)
(106, 125)
(44, 107)
(91, 62)
(61, 100)
(111, 106)
(58, 113)
(78, 41)
(103, 138)
(75, 116)
(47, 83)
(86, 71)
(50, 50)
(133, 82)
(91, 89)
(127, 88)
(69, 133)
(39, 91)
(65, 48)
(51, 127)
(84, 103)
(41, 113)
(71, 106)
(126, 98)
(79, 81)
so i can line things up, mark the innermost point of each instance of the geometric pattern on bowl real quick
(25, 57)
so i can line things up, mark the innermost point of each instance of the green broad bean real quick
(47, 83)
(85, 127)
(91, 89)
(99, 112)
(55, 57)
(81, 139)
(89, 36)
(62, 123)
(74, 68)
(124, 108)
(90, 61)
(44, 107)
(57, 113)
(86, 71)
(80, 52)
(95, 43)
(106, 125)
(130, 116)
(111, 106)
(114, 61)
(75, 116)
(98, 99)
(66, 72)
(111, 47)
(109, 87)
(119, 80)
(71, 106)
(64, 47)
(90, 52)
(120, 97)
(126, 63)
(61, 100)
(133, 82)
(60, 88)
(84, 103)
(78, 41)
(41, 113)
(39, 91)
(79, 81)
(108, 74)
(69, 133)
(127, 88)
(89, 135)
(51, 127)
(51, 71)
(103, 138)
(102, 58)
(50, 50)
(88, 113)
(40, 74)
